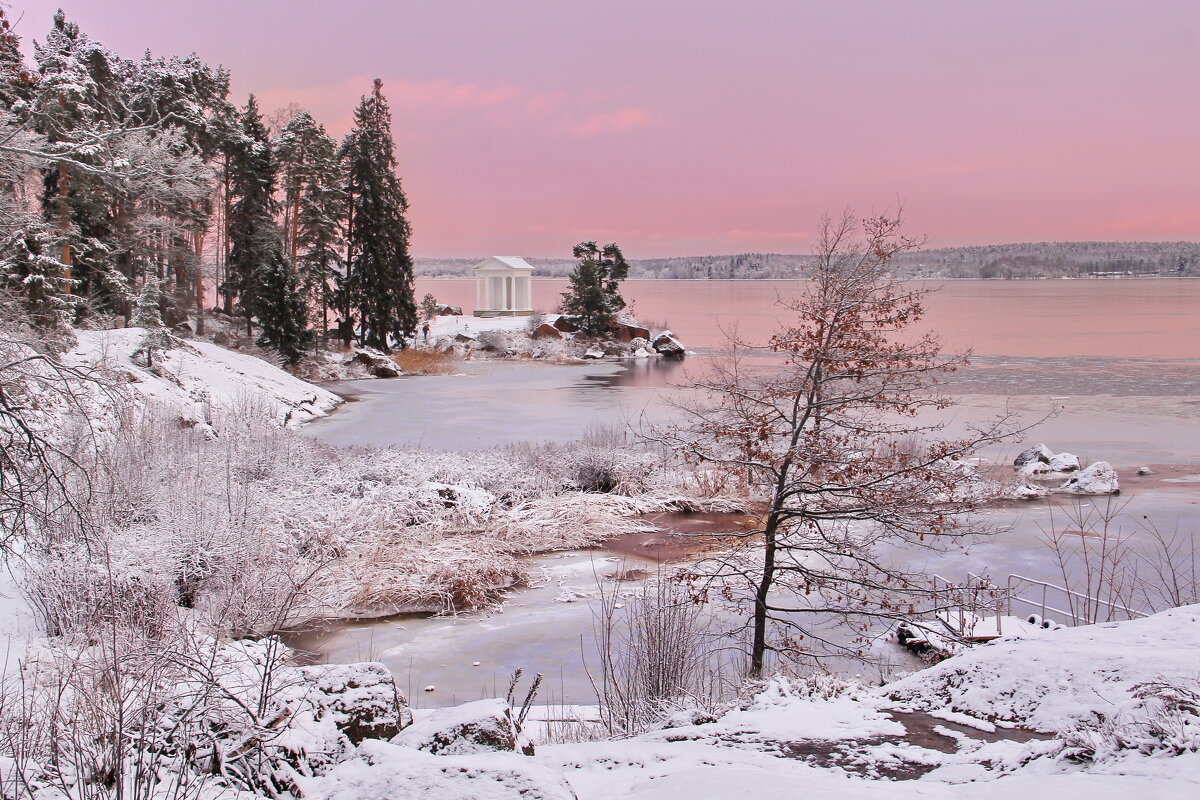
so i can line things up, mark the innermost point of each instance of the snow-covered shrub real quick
(1163, 719)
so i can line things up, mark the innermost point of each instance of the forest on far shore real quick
(995, 261)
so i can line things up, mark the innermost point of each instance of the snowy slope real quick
(796, 740)
(203, 381)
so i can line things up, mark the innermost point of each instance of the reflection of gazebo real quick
(502, 287)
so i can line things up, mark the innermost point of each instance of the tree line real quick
(133, 182)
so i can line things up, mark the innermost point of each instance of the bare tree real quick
(836, 436)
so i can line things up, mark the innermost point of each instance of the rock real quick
(476, 727)
(387, 369)
(1145, 471)
(565, 325)
(546, 331)
(183, 328)
(640, 341)
(1039, 453)
(627, 333)
(1098, 478)
(444, 310)
(1064, 462)
(362, 698)
(430, 688)
(594, 353)
(642, 352)
(377, 362)
(1028, 491)
(666, 344)
(222, 339)
(464, 337)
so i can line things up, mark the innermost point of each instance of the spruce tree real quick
(148, 316)
(379, 278)
(315, 204)
(282, 312)
(593, 298)
(253, 234)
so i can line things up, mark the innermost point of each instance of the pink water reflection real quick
(1113, 318)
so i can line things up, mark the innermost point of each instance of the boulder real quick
(362, 698)
(377, 362)
(627, 333)
(642, 352)
(640, 342)
(183, 329)
(1064, 462)
(666, 344)
(1097, 478)
(594, 352)
(444, 310)
(565, 325)
(477, 727)
(1039, 453)
(385, 369)
(223, 339)
(1029, 491)
(464, 337)
(1144, 471)
(546, 331)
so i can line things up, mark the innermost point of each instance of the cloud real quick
(619, 121)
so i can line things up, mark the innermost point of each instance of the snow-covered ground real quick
(956, 730)
(202, 380)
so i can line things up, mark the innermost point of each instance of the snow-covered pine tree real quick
(78, 105)
(253, 235)
(593, 297)
(316, 204)
(148, 316)
(282, 311)
(16, 81)
(379, 276)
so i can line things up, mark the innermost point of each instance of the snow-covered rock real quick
(362, 698)
(470, 728)
(1097, 478)
(594, 353)
(1144, 471)
(546, 331)
(1028, 491)
(376, 361)
(201, 381)
(1041, 463)
(666, 344)
(1039, 453)
(642, 352)
(1053, 681)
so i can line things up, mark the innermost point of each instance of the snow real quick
(1053, 681)
(1097, 478)
(203, 381)
(779, 743)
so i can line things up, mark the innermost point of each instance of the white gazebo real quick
(502, 287)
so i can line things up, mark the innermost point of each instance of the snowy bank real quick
(202, 381)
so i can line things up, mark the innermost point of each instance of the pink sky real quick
(679, 127)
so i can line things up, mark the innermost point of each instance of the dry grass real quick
(424, 362)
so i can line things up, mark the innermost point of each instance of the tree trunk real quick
(758, 647)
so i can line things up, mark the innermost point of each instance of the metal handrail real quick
(976, 584)
(1110, 604)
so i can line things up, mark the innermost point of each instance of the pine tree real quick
(282, 312)
(593, 299)
(253, 234)
(148, 316)
(16, 81)
(315, 204)
(379, 278)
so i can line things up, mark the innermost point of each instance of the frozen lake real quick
(1118, 360)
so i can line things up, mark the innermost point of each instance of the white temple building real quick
(502, 287)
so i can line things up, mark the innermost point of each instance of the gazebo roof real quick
(503, 264)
